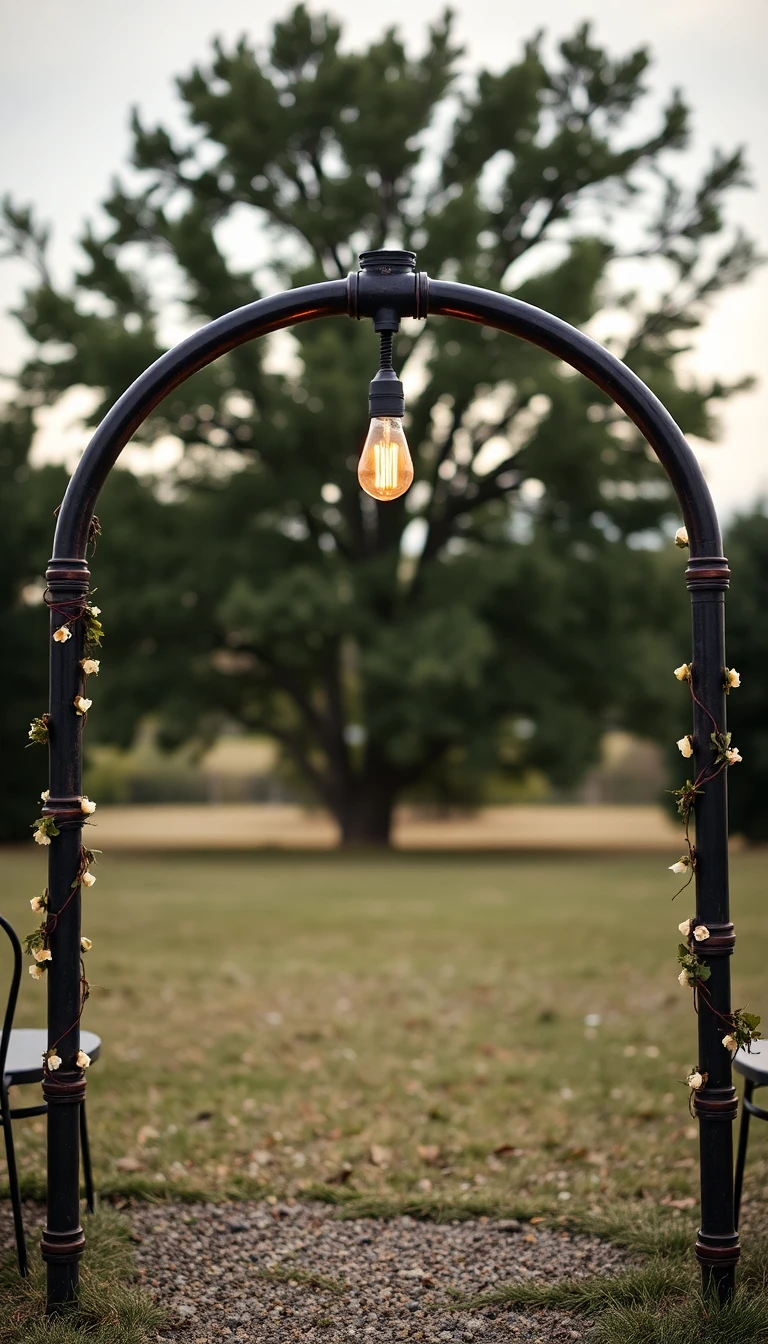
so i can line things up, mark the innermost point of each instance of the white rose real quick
(42, 954)
(683, 672)
(732, 677)
(90, 666)
(54, 1061)
(684, 978)
(733, 756)
(681, 537)
(700, 933)
(62, 634)
(685, 746)
(45, 795)
(731, 1044)
(36, 904)
(685, 928)
(37, 972)
(680, 867)
(82, 1060)
(40, 838)
(695, 1080)
(81, 704)
(85, 944)
(95, 611)
(87, 879)
(87, 806)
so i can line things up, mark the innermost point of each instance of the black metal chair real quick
(21, 1062)
(753, 1066)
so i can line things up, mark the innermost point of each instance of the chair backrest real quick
(13, 993)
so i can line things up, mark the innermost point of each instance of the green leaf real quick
(751, 1020)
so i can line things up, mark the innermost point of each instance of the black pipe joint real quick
(387, 288)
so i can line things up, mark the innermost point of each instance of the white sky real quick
(69, 72)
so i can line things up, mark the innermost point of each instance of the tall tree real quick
(482, 619)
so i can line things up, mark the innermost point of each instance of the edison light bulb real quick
(385, 469)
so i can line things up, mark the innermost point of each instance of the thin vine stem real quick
(703, 777)
(84, 995)
(63, 609)
(703, 707)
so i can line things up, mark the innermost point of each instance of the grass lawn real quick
(410, 1029)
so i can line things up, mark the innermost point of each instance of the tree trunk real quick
(365, 816)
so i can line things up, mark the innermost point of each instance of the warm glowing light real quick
(385, 469)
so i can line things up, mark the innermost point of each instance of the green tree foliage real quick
(747, 651)
(27, 503)
(504, 612)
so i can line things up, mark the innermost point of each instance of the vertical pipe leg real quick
(716, 1105)
(741, 1156)
(64, 1089)
(63, 1240)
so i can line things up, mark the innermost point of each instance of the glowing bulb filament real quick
(386, 466)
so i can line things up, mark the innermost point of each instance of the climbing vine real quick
(40, 944)
(741, 1027)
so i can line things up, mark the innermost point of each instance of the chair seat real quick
(24, 1062)
(753, 1064)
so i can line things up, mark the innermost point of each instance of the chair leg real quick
(741, 1156)
(13, 1181)
(86, 1150)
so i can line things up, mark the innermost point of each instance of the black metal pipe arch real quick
(385, 285)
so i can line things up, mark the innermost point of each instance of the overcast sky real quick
(69, 72)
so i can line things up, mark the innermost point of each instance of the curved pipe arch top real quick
(445, 298)
(328, 299)
(612, 377)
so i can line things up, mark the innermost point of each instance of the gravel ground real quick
(269, 1273)
(280, 1272)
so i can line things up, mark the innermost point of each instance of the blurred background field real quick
(506, 1033)
(525, 827)
(236, 796)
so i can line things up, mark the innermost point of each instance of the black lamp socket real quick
(385, 395)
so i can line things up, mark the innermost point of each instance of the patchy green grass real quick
(692, 1320)
(111, 1310)
(402, 1031)
(660, 1280)
(658, 1303)
(292, 1273)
